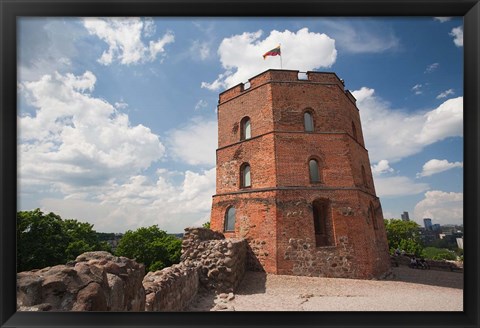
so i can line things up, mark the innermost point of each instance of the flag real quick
(273, 52)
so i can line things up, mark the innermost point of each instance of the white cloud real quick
(122, 209)
(84, 160)
(444, 121)
(362, 36)
(201, 104)
(120, 104)
(457, 34)
(241, 55)
(432, 67)
(442, 19)
(398, 186)
(417, 89)
(200, 50)
(381, 167)
(124, 37)
(195, 143)
(47, 45)
(139, 202)
(435, 166)
(75, 141)
(445, 94)
(442, 207)
(395, 134)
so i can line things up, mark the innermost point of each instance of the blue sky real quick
(117, 116)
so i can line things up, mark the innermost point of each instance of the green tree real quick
(81, 238)
(435, 253)
(150, 246)
(40, 240)
(45, 240)
(206, 225)
(404, 235)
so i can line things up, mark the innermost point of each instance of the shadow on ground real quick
(253, 283)
(428, 277)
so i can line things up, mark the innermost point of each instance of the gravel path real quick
(406, 290)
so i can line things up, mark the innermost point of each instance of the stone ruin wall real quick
(95, 281)
(99, 281)
(170, 289)
(221, 262)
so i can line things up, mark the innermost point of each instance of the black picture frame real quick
(10, 10)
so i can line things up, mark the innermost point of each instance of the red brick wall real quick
(275, 214)
(255, 220)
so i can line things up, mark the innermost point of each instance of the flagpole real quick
(281, 66)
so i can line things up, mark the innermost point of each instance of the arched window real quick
(354, 131)
(308, 121)
(230, 219)
(245, 180)
(245, 131)
(314, 170)
(322, 223)
(364, 177)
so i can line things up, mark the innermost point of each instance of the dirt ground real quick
(405, 290)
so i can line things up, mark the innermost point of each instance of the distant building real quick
(405, 216)
(428, 224)
(436, 227)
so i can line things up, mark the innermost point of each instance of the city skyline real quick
(117, 117)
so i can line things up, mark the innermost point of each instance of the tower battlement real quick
(284, 76)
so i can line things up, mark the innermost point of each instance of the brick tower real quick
(294, 178)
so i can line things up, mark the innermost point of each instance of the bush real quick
(438, 254)
(150, 246)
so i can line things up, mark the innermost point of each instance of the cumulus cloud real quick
(435, 166)
(74, 141)
(395, 134)
(432, 67)
(47, 45)
(142, 201)
(195, 143)
(241, 55)
(457, 34)
(442, 207)
(398, 186)
(381, 167)
(442, 19)
(89, 161)
(125, 39)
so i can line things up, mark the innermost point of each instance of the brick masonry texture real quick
(276, 213)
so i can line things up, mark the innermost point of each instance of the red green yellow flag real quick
(273, 52)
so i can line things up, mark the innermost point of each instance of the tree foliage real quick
(404, 235)
(435, 253)
(206, 225)
(45, 240)
(150, 246)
